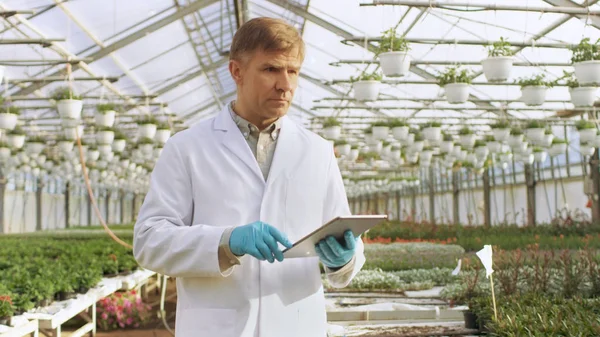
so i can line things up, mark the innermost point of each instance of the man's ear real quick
(235, 69)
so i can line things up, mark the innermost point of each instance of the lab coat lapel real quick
(288, 152)
(231, 137)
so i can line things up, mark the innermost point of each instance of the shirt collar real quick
(248, 128)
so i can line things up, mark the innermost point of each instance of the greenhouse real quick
(262, 168)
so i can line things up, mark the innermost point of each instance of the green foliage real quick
(559, 141)
(501, 124)
(340, 142)
(516, 132)
(500, 48)
(480, 143)
(535, 81)
(36, 139)
(465, 131)
(146, 140)
(163, 126)
(489, 138)
(103, 108)
(432, 125)
(6, 306)
(535, 124)
(397, 122)
(13, 110)
(147, 119)
(454, 74)
(583, 124)
(331, 122)
(375, 76)
(64, 93)
(380, 123)
(119, 134)
(585, 51)
(447, 137)
(390, 41)
(538, 149)
(407, 256)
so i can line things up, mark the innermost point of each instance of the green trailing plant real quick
(538, 80)
(454, 75)
(583, 124)
(13, 110)
(147, 119)
(105, 128)
(380, 124)
(447, 137)
(535, 124)
(64, 93)
(146, 140)
(419, 137)
(104, 108)
(501, 124)
(427, 148)
(465, 131)
(3, 145)
(516, 132)
(36, 139)
(432, 125)
(375, 76)
(331, 122)
(538, 149)
(489, 138)
(500, 48)
(119, 134)
(340, 142)
(397, 122)
(585, 51)
(163, 126)
(391, 41)
(17, 131)
(480, 143)
(559, 141)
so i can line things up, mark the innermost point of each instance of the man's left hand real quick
(333, 254)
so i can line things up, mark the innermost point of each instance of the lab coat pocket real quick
(206, 322)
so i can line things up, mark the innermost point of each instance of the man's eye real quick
(271, 69)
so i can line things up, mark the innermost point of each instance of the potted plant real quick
(535, 130)
(447, 143)
(492, 144)
(105, 150)
(393, 54)
(501, 130)
(539, 154)
(516, 137)
(581, 96)
(455, 83)
(64, 144)
(68, 103)
(586, 61)
(533, 89)
(466, 137)
(498, 65)
(380, 130)
(4, 151)
(395, 153)
(332, 128)
(548, 137)
(6, 310)
(146, 145)
(15, 138)
(74, 132)
(366, 86)
(105, 115)
(399, 129)
(559, 146)
(432, 131)
(119, 142)
(35, 145)
(481, 149)
(9, 116)
(586, 149)
(587, 130)
(147, 126)
(419, 142)
(163, 132)
(92, 154)
(342, 148)
(354, 152)
(105, 135)
(506, 157)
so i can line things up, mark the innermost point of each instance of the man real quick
(225, 193)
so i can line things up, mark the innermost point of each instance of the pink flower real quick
(104, 315)
(129, 321)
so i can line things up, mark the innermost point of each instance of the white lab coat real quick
(206, 180)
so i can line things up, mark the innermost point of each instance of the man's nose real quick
(284, 82)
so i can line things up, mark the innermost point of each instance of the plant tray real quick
(22, 330)
(138, 277)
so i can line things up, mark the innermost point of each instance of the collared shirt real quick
(262, 144)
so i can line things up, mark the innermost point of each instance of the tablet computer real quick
(359, 224)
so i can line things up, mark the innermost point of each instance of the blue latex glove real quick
(259, 240)
(333, 254)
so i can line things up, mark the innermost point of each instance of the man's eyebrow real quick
(278, 65)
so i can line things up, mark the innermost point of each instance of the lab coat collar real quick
(288, 152)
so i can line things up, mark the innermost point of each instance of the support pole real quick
(455, 197)
(487, 209)
(399, 205)
(89, 208)
(431, 195)
(2, 193)
(121, 206)
(413, 204)
(133, 200)
(530, 183)
(376, 198)
(67, 201)
(38, 205)
(106, 206)
(595, 175)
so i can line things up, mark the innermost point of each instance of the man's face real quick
(266, 82)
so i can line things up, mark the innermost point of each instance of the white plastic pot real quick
(481, 152)
(15, 141)
(446, 146)
(547, 141)
(540, 157)
(147, 130)
(587, 135)
(536, 135)
(395, 63)
(65, 146)
(467, 140)
(506, 157)
(70, 108)
(118, 145)
(432, 134)
(366, 90)
(104, 149)
(354, 154)
(34, 149)
(426, 156)
(343, 150)
(501, 135)
(457, 92)
(400, 132)
(370, 140)
(92, 155)
(558, 149)
(583, 96)
(73, 132)
(377, 147)
(587, 72)
(4, 153)
(381, 132)
(8, 121)
(332, 132)
(533, 95)
(105, 137)
(157, 152)
(146, 149)
(494, 147)
(515, 140)
(586, 149)
(417, 146)
(162, 135)
(106, 119)
(497, 69)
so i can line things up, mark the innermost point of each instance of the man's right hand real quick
(259, 240)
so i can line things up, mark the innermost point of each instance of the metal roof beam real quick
(192, 76)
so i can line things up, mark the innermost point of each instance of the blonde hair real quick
(265, 34)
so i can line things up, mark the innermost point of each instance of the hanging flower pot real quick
(497, 69)
(4, 152)
(9, 117)
(399, 129)
(354, 152)
(68, 103)
(332, 128)
(585, 61)
(533, 89)
(395, 64)
(587, 130)
(342, 148)
(380, 130)
(65, 145)
(163, 132)
(147, 127)
(104, 149)
(446, 144)
(366, 87)
(506, 157)
(432, 132)
(105, 115)
(466, 137)
(539, 154)
(35, 146)
(418, 144)
(481, 150)
(559, 146)
(15, 138)
(535, 131)
(501, 130)
(586, 149)
(396, 153)
(73, 132)
(516, 138)
(157, 152)
(105, 136)
(146, 145)
(455, 83)
(583, 96)
(92, 154)
(548, 137)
